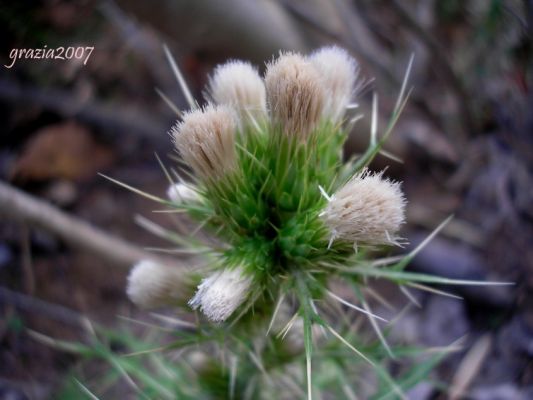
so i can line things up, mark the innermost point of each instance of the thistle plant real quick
(270, 182)
(288, 216)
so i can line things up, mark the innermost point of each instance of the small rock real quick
(61, 192)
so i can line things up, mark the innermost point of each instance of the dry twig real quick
(18, 205)
(40, 307)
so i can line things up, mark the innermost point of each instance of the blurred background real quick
(465, 140)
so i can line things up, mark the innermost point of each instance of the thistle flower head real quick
(220, 294)
(182, 193)
(238, 84)
(295, 94)
(368, 210)
(339, 72)
(269, 212)
(205, 139)
(152, 285)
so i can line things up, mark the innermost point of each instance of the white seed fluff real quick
(206, 140)
(239, 85)
(180, 193)
(220, 294)
(295, 94)
(339, 72)
(367, 210)
(152, 285)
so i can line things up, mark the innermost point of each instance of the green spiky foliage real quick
(267, 209)
(272, 370)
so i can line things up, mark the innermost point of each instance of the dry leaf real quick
(66, 150)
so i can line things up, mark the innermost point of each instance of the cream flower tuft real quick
(339, 72)
(182, 193)
(206, 140)
(295, 94)
(368, 210)
(152, 285)
(220, 294)
(238, 84)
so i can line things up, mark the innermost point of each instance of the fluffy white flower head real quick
(205, 139)
(339, 72)
(239, 85)
(368, 210)
(182, 193)
(220, 294)
(295, 94)
(152, 285)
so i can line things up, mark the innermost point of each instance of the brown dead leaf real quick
(66, 150)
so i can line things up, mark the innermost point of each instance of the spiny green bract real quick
(268, 208)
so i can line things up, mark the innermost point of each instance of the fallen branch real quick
(239, 28)
(18, 205)
(36, 306)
